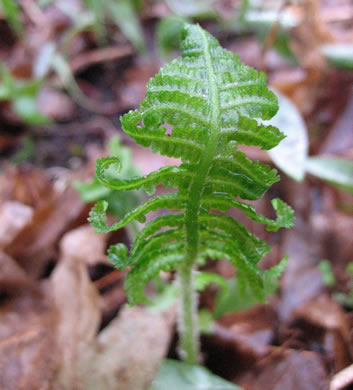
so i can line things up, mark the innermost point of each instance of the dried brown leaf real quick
(84, 243)
(332, 328)
(129, 351)
(287, 370)
(252, 329)
(28, 354)
(77, 302)
(125, 355)
(13, 279)
(14, 216)
(36, 243)
(302, 279)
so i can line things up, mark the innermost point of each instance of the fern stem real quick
(187, 321)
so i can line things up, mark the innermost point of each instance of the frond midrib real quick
(198, 183)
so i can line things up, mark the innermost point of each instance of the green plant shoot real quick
(22, 94)
(211, 100)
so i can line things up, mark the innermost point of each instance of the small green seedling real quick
(210, 100)
(22, 94)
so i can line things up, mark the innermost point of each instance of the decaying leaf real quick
(328, 319)
(38, 239)
(129, 351)
(85, 244)
(125, 355)
(28, 353)
(14, 216)
(289, 370)
(302, 279)
(12, 277)
(77, 302)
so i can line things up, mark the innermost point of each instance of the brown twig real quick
(272, 35)
(91, 57)
(109, 279)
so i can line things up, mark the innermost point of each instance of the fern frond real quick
(188, 145)
(167, 201)
(170, 177)
(118, 255)
(249, 132)
(239, 176)
(155, 242)
(174, 220)
(165, 259)
(224, 203)
(252, 247)
(247, 273)
(199, 108)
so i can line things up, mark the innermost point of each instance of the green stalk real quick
(188, 317)
(188, 320)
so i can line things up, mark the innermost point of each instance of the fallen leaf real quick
(336, 171)
(129, 351)
(339, 55)
(340, 137)
(125, 355)
(13, 278)
(28, 353)
(84, 243)
(342, 379)
(77, 302)
(301, 279)
(14, 216)
(254, 328)
(288, 370)
(35, 244)
(56, 105)
(244, 337)
(332, 330)
(291, 154)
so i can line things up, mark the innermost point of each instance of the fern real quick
(210, 99)
(120, 202)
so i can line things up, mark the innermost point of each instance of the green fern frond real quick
(210, 101)
(224, 203)
(166, 201)
(249, 132)
(170, 177)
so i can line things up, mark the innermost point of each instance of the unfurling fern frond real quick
(211, 101)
